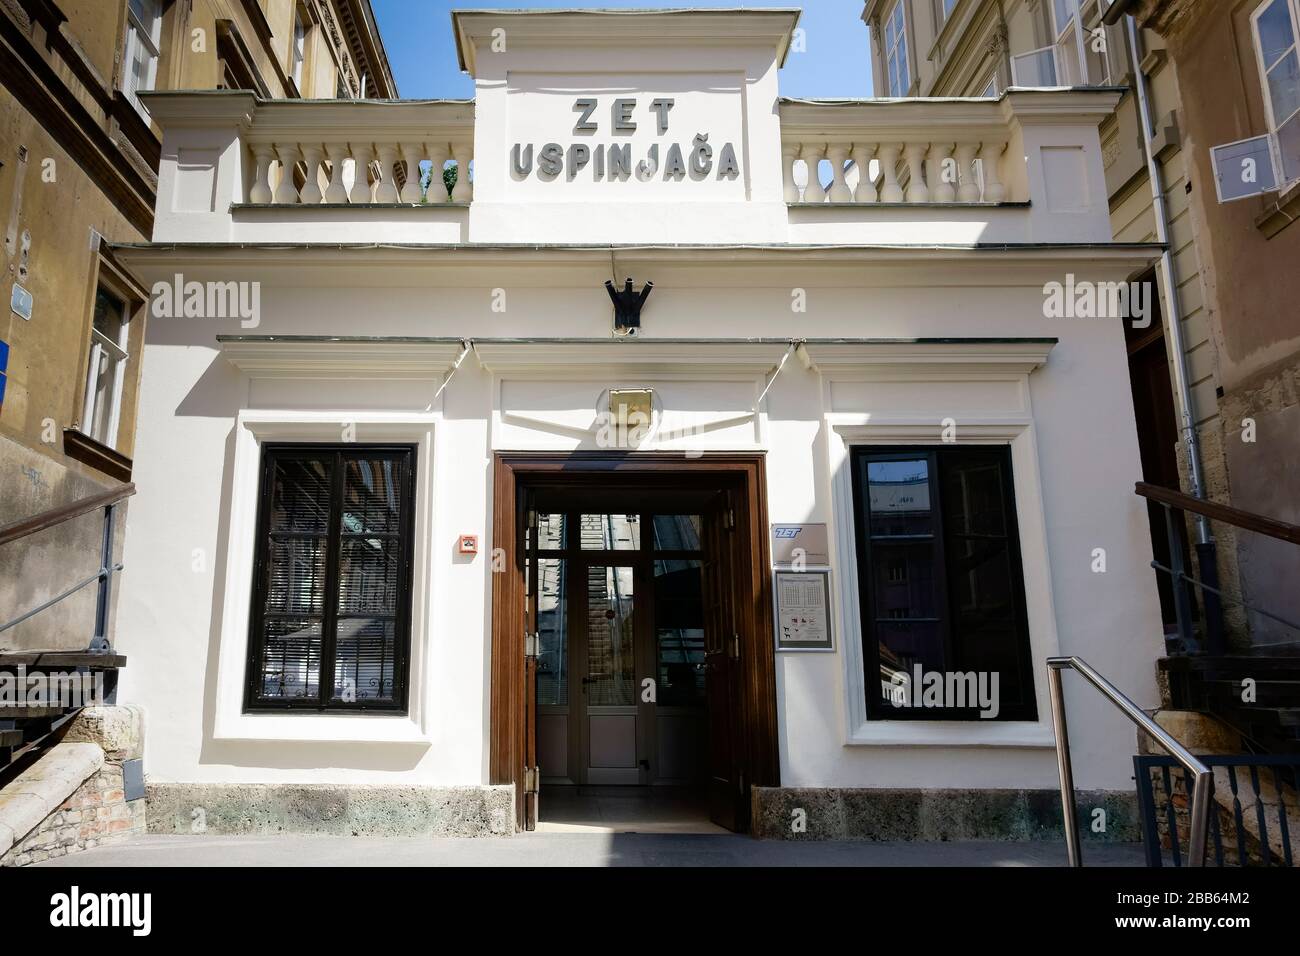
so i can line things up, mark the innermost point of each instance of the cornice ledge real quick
(177, 108)
(958, 358)
(679, 359)
(1065, 105)
(271, 357)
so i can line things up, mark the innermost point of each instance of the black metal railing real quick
(1243, 827)
(1176, 505)
(100, 641)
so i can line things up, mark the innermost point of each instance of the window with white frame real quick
(1096, 43)
(940, 581)
(298, 54)
(1035, 68)
(143, 47)
(106, 368)
(1072, 58)
(898, 77)
(1276, 26)
(1065, 25)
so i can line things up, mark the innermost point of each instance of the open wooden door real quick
(739, 657)
(531, 772)
(728, 798)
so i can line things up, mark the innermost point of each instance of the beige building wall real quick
(957, 56)
(1249, 253)
(78, 164)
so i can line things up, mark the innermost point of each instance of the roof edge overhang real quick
(572, 25)
(363, 264)
(582, 267)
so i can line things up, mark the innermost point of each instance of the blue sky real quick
(417, 35)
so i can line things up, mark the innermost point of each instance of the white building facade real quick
(422, 539)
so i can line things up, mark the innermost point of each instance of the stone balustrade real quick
(359, 153)
(911, 172)
(1025, 167)
(913, 151)
(393, 171)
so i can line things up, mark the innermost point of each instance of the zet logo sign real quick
(787, 533)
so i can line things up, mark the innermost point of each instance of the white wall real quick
(1083, 461)
(183, 611)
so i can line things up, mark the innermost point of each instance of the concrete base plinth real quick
(817, 813)
(330, 810)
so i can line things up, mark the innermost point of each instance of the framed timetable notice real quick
(803, 611)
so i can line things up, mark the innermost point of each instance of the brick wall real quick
(96, 813)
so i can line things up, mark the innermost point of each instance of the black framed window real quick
(941, 584)
(331, 615)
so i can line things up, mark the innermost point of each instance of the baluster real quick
(361, 193)
(1238, 821)
(839, 156)
(1260, 821)
(866, 191)
(812, 155)
(942, 174)
(463, 191)
(387, 189)
(914, 153)
(336, 192)
(311, 155)
(991, 156)
(1281, 819)
(439, 153)
(413, 153)
(264, 154)
(286, 193)
(789, 153)
(890, 190)
(970, 187)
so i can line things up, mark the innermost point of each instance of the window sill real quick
(321, 728)
(1280, 214)
(81, 447)
(937, 733)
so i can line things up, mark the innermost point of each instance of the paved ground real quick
(578, 849)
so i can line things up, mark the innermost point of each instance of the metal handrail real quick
(107, 500)
(56, 516)
(1237, 517)
(1175, 503)
(1201, 773)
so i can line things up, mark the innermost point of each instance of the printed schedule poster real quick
(803, 611)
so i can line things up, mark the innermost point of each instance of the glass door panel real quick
(609, 683)
(552, 616)
(611, 663)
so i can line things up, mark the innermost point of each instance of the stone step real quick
(28, 713)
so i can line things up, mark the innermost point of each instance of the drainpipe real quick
(1205, 546)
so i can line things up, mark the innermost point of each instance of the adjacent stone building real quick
(78, 172)
(1239, 72)
(980, 47)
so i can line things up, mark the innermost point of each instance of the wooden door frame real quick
(508, 692)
